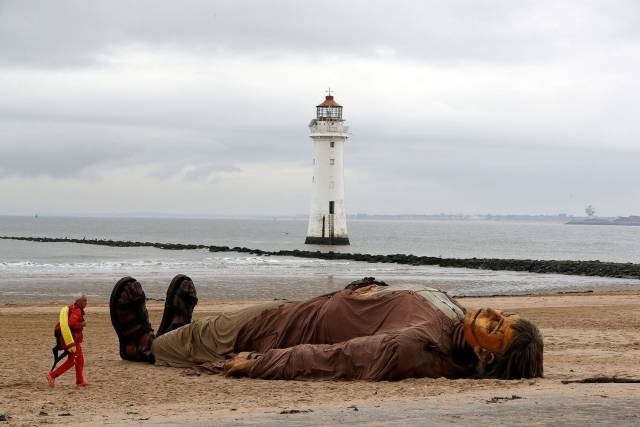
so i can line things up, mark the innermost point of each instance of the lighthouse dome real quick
(329, 109)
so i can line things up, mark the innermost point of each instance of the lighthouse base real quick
(326, 240)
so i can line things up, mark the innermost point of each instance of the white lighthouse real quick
(328, 218)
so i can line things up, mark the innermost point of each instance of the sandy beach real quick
(586, 335)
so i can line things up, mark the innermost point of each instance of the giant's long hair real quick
(523, 357)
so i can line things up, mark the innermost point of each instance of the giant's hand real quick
(240, 365)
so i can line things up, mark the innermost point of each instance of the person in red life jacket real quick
(69, 334)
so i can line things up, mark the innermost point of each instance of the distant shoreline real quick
(561, 218)
(542, 218)
(462, 217)
(622, 220)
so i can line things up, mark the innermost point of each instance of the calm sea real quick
(53, 271)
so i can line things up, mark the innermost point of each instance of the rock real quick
(295, 411)
(498, 399)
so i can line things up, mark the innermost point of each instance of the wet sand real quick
(586, 335)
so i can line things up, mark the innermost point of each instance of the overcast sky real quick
(202, 107)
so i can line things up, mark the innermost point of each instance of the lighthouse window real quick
(332, 184)
(314, 161)
(332, 161)
(331, 144)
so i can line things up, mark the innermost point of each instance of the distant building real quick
(328, 218)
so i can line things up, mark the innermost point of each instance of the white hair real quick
(79, 295)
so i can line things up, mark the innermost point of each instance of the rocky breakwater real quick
(581, 268)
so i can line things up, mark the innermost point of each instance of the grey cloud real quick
(483, 179)
(71, 33)
(36, 150)
(207, 171)
(71, 149)
(458, 139)
(532, 165)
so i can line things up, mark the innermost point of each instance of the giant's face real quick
(489, 329)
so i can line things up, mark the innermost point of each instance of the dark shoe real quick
(130, 320)
(179, 304)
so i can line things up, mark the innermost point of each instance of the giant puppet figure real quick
(368, 331)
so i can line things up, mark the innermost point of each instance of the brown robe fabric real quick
(374, 333)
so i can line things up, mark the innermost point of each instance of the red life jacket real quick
(75, 318)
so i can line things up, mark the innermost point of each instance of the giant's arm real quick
(368, 358)
(389, 356)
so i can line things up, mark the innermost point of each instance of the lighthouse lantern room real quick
(328, 217)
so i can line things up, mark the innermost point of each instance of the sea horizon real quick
(305, 216)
